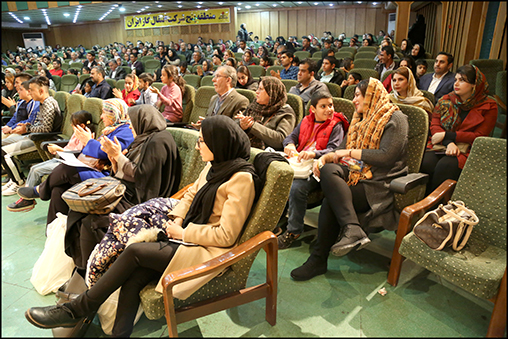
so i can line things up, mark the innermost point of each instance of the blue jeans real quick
(298, 202)
(39, 170)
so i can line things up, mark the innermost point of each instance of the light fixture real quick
(198, 6)
(159, 6)
(257, 4)
(221, 3)
(239, 4)
(138, 12)
(76, 14)
(179, 6)
(26, 18)
(274, 5)
(121, 9)
(200, 3)
(299, 2)
(238, 8)
(15, 17)
(66, 14)
(374, 3)
(331, 5)
(247, 6)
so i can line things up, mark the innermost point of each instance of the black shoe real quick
(353, 236)
(286, 239)
(21, 205)
(51, 316)
(28, 193)
(309, 270)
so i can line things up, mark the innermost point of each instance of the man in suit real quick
(441, 81)
(135, 64)
(116, 73)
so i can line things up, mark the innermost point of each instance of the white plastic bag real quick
(107, 312)
(54, 267)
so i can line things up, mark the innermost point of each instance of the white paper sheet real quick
(71, 160)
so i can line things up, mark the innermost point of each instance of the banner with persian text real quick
(180, 18)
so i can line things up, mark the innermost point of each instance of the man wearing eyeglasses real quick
(227, 101)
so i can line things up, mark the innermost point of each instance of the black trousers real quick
(339, 208)
(439, 167)
(60, 180)
(137, 266)
(8, 169)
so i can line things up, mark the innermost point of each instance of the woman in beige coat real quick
(208, 219)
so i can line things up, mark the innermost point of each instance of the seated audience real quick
(266, 62)
(289, 71)
(406, 61)
(268, 120)
(418, 52)
(458, 119)
(351, 197)
(352, 79)
(171, 58)
(306, 45)
(245, 80)
(216, 60)
(171, 93)
(49, 119)
(386, 62)
(23, 111)
(37, 171)
(130, 93)
(57, 68)
(421, 69)
(318, 133)
(247, 59)
(405, 91)
(90, 60)
(197, 59)
(146, 96)
(101, 88)
(347, 65)
(182, 69)
(229, 182)
(406, 47)
(441, 81)
(9, 93)
(230, 62)
(135, 64)
(45, 73)
(116, 72)
(206, 68)
(307, 84)
(330, 74)
(116, 128)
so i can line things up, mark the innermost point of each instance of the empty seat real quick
(68, 82)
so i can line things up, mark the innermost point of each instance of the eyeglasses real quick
(198, 142)
(220, 76)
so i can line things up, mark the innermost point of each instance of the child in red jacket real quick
(318, 133)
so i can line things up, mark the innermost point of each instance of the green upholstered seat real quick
(264, 216)
(189, 96)
(120, 84)
(349, 92)
(57, 80)
(68, 82)
(490, 68)
(429, 96)
(343, 54)
(77, 66)
(385, 74)
(251, 95)
(94, 106)
(335, 90)
(288, 83)
(201, 103)
(297, 104)
(365, 55)
(82, 77)
(302, 54)
(257, 71)
(158, 85)
(367, 49)
(111, 82)
(206, 80)
(348, 49)
(193, 80)
(151, 65)
(479, 267)
(430, 65)
(273, 68)
(365, 63)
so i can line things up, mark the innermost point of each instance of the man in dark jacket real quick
(135, 64)
(116, 73)
(442, 80)
(330, 73)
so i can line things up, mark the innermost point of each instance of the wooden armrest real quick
(218, 263)
(499, 101)
(179, 195)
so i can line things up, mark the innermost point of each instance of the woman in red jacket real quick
(317, 134)
(458, 119)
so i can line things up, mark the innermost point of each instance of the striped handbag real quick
(95, 195)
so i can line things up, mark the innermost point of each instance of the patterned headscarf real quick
(414, 96)
(448, 106)
(278, 97)
(135, 82)
(116, 110)
(367, 128)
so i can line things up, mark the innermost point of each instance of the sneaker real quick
(11, 190)
(28, 193)
(21, 205)
(286, 239)
(7, 185)
(5, 180)
(353, 236)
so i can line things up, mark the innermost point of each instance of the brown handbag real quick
(95, 195)
(448, 225)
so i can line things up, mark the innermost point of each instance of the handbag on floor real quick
(448, 225)
(54, 267)
(95, 195)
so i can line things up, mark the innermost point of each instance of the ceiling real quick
(94, 11)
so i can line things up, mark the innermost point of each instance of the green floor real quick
(342, 303)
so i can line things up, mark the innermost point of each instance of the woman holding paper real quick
(117, 127)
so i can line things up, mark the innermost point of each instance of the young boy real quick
(421, 68)
(146, 97)
(49, 119)
(318, 133)
(25, 112)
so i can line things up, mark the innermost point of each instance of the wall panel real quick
(293, 24)
(351, 22)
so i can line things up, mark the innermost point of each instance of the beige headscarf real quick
(414, 95)
(367, 128)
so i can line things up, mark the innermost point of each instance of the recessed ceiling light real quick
(247, 6)
(315, 4)
(257, 4)
(299, 2)
(179, 6)
(220, 3)
(200, 3)
(138, 11)
(178, 2)
(66, 14)
(239, 4)
(374, 3)
(159, 6)
(274, 5)
(156, 2)
(198, 6)
(26, 18)
(121, 9)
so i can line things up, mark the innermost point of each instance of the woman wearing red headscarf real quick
(458, 119)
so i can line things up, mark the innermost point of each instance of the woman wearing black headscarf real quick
(151, 168)
(172, 58)
(211, 215)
